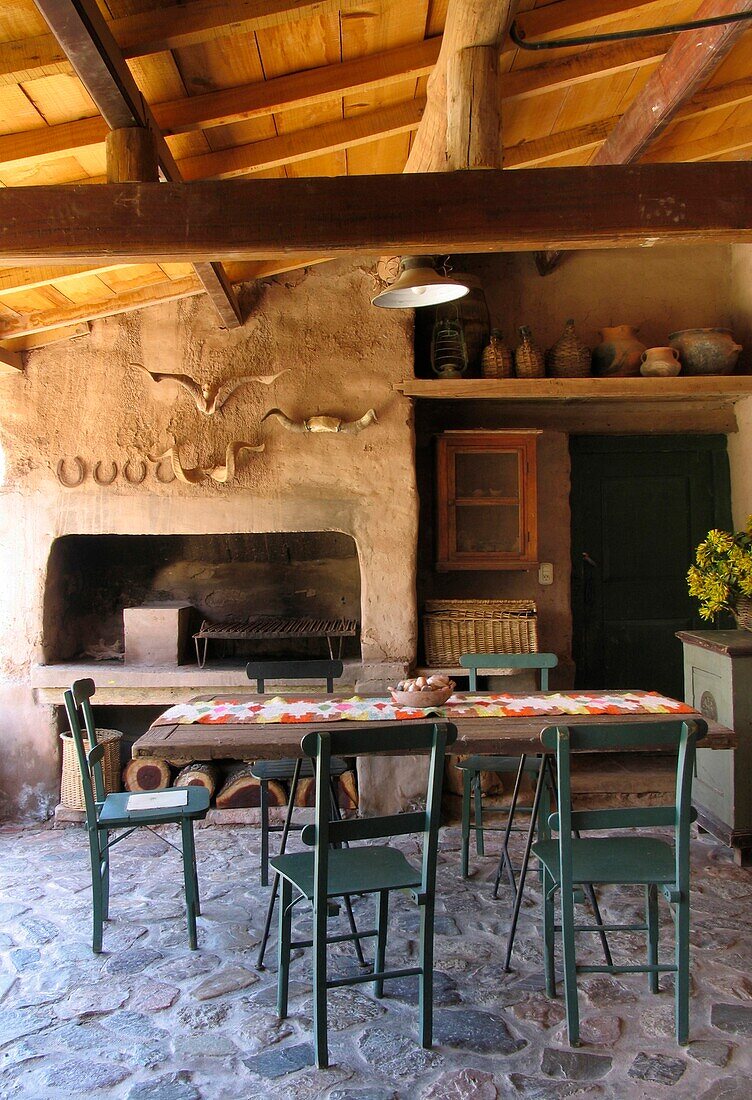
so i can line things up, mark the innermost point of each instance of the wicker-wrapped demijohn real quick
(569, 357)
(528, 360)
(496, 361)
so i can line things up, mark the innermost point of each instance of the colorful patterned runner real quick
(292, 709)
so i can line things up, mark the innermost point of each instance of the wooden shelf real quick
(726, 388)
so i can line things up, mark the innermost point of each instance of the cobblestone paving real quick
(150, 1020)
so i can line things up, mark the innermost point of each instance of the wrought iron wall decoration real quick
(210, 397)
(323, 423)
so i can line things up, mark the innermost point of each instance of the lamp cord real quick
(517, 34)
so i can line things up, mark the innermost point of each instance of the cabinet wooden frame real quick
(451, 445)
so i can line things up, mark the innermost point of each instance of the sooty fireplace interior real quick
(92, 578)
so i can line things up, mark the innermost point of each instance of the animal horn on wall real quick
(323, 423)
(196, 474)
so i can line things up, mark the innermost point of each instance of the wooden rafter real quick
(84, 36)
(689, 63)
(442, 212)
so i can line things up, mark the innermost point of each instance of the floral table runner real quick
(292, 709)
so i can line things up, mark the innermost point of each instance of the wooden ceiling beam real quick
(83, 34)
(526, 154)
(165, 28)
(330, 137)
(486, 211)
(688, 64)
(568, 18)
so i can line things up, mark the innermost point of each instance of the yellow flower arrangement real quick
(722, 573)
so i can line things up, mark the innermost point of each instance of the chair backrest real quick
(679, 736)
(294, 670)
(396, 737)
(80, 718)
(540, 661)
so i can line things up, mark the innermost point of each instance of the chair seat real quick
(363, 870)
(283, 769)
(114, 815)
(612, 859)
(497, 764)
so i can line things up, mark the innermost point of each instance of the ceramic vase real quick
(706, 350)
(619, 353)
(660, 362)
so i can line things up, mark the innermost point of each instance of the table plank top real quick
(183, 742)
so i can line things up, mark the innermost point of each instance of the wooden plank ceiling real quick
(300, 88)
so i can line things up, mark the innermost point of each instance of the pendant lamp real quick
(419, 284)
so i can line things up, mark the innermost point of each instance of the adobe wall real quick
(84, 398)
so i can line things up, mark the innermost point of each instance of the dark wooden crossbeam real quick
(79, 27)
(491, 211)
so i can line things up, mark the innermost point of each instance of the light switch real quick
(546, 573)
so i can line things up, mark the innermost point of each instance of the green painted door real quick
(640, 505)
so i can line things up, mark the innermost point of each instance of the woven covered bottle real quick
(496, 361)
(528, 360)
(569, 357)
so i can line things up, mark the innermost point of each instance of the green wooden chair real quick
(106, 813)
(647, 861)
(330, 872)
(472, 766)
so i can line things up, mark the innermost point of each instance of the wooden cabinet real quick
(487, 500)
(718, 683)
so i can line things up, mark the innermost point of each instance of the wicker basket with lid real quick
(454, 627)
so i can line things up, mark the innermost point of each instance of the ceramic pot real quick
(619, 354)
(660, 362)
(706, 350)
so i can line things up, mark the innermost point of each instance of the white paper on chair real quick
(157, 800)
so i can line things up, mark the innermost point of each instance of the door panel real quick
(640, 505)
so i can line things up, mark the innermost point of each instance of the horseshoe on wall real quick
(159, 475)
(100, 480)
(81, 473)
(137, 478)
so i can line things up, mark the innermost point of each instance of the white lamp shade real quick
(419, 284)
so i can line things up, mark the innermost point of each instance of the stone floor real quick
(150, 1020)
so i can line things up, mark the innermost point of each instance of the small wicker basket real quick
(569, 357)
(454, 627)
(496, 361)
(743, 613)
(71, 789)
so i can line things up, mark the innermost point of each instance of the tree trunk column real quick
(131, 156)
(474, 109)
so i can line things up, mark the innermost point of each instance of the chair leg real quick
(682, 970)
(651, 919)
(566, 901)
(480, 846)
(382, 921)
(275, 881)
(588, 888)
(525, 861)
(189, 860)
(467, 780)
(320, 1042)
(505, 859)
(337, 816)
(105, 865)
(549, 962)
(425, 980)
(283, 948)
(264, 814)
(97, 906)
(196, 894)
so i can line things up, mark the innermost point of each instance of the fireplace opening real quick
(91, 579)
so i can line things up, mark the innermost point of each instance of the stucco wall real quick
(83, 398)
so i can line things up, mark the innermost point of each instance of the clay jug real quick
(660, 362)
(569, 357)
(619, 354)
(706, 350)
(528, 359)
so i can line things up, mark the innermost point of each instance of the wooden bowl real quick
(434, 698)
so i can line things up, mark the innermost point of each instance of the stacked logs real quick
(233, 785)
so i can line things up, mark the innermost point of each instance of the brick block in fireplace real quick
(157, 633)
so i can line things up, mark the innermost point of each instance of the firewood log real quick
(490, 782)
(146, 773)
(199, 774)
(242, 790)
(346, 787)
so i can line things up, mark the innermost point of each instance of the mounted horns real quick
(323, 423)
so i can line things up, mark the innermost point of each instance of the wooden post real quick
(473, 109)
(131, 155)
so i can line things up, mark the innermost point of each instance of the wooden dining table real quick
(182, 742)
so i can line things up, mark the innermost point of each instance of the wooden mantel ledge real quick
(731, 387)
